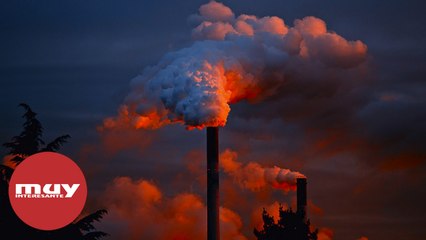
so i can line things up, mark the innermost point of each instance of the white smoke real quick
(253, 176)
(232, 59)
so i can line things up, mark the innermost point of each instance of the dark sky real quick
(72, 62)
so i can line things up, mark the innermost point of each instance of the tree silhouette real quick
(82, 229)
(290, 226)
(29, 142)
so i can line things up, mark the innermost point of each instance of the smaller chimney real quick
(301, 198)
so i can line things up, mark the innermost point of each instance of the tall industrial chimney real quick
(301, 198)
(213, 232)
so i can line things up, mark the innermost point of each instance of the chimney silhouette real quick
(213, 231)
(301, 198)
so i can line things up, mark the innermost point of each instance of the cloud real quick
(325, 234)
(216, 12)
(140, 210)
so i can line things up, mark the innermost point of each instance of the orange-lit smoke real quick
(7, 161)
(126, 117)
(325, 234)
(232, 59)
(272, 209)
(253, 176)
(141, 209)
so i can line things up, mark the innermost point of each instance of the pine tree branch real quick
(86, 223)
(56, 144)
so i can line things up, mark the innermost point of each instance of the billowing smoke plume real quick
(232, 59)
(254, 177)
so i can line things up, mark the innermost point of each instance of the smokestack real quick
(213, 183)
(301, 198)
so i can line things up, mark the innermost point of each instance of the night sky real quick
(360, 140)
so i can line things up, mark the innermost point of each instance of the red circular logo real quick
(47, 191)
